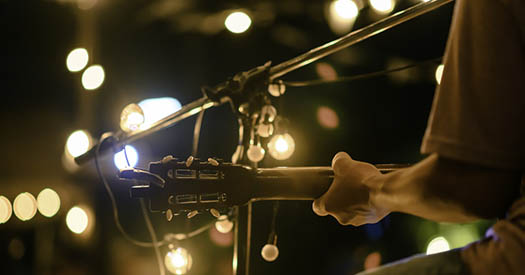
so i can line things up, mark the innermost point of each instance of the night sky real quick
(156, 48)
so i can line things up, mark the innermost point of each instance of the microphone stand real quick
(247, 92)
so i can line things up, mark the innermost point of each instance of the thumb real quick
(340, 163)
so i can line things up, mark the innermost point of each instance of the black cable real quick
(114, 203)
(355, 77)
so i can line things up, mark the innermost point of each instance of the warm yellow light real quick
(25, 206)
(345, 9)
(131, 118)
(341, 15)
(78, 143)
(238, 22)
(437, 245)
(281, 147)
(6, 209)
(93, 77)
(439, 73)
(255, 153)
(383, 6)
(77, 59)
(224, 225)
(48, 202)
(77, 220)
(178, 261)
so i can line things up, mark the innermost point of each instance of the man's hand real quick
(350, 197)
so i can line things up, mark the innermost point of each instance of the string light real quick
(270, 252)
(121, 161)
(238, 22)
(78, 143)
(223, 225)
(131, 118)
(25, 206)
(155, 109)
(437, 245)
(93, 77)
(6, 210)
(281, 147)
(255, 153)
(177, 260)
(383, 6)
(77, 220)
(48, 202)
(77, 59)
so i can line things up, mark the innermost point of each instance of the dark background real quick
(154, 48)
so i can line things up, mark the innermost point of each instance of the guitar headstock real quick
(191, 185)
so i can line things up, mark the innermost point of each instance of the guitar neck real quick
(299, 183)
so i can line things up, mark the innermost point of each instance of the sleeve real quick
(478, 114)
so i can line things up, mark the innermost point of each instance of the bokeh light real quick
(325, 71)
(270, 252)
(120, 158)
(6, 210)
(372, 261)
(93, 77)
(439, 73)
(255, 153)
(48, 202)
(77, 220)
(281, 147)
(178, 261)
(86, 4)
(383, 6)
(25, 206)
(437, 245)
(327, 117)
(238, 22)
(223, 224)
(341, 15)
(77, 59)
(155, 109)
(78, 143)
(219, 238)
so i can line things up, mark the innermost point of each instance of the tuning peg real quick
(192, 214)
(213, 161)
(214, 212)
(167, 159)
(189, 161)
(169, 215)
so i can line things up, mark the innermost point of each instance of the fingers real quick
(341, 162)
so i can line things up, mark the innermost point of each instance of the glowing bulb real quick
(437, 245)
(238, 22)
(383, 6)
(93, 77)
(48, 202)
(131, 118)
(255, 153)
(155, 109)
(178, 261)
(270, 252)
(223, 225)
(77, 220)
(6, 210)
(78, 143)
(345, 9)
(77, 59)
(120, 158)
(265, 129)
(439, 73)
(276, 89)
(25, 206)
(281, 147)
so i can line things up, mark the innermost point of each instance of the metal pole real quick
(354, 37)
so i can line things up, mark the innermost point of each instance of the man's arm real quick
(436, 188)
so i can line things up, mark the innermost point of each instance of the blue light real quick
(120, 158)
(156, 109)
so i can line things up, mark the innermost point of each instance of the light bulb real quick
(131, 118)
(48, 202)
(439, 73)
(77, 59)
(178, 261)
(93, 77)
(270, 252)
(255, 153)
(25, 206)
(268, 112)
(281, 147)
(238, 22)
(265, 129)
(437, 245)
(121, 161)
(77, 220)
(6, 209)
(383, 6)
(78, 143)
(223, 225)
(276, 89)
